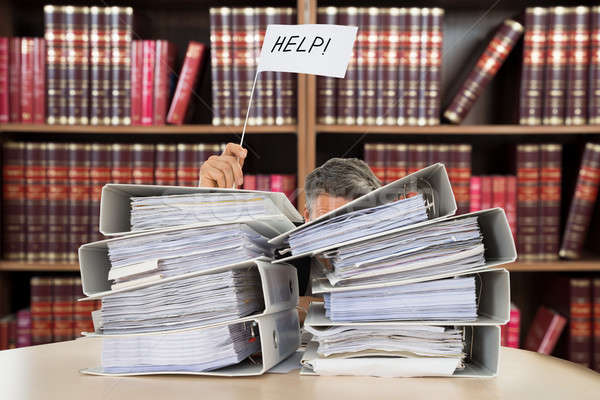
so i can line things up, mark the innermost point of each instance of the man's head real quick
(335, 183)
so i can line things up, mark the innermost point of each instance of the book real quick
(511, 331)
(4, 80)
(593, 108)
(121, 21)
(41, 310)
(164, 80)
(244, 62)
(549, 210)
(188, 169)
(36, 205)
(578, 59)
(57, 202)
(27, 81)
(82, 310)
(347, 87)
(24, 328)
(460, 175)
(285, 82)
(77, 48)
(221, 45)
(555, 76)
(14, 202)
(545, 330)
(487, 194)
(14, 65)
(375, 157)
(100, 66)
(122, 167)
(326, 86)
(596, 324)
(62, 309)
(582, 203)
(395, 162)
(148, 69)
(100, 174)
(475, 194)
(412, 60)
(39, 81)
(165, 169)
(366, 64)
(484, 70)
(511, 204)
(190, 72)
(580, 321)
(422, 83)
(79, 195)
(142, 172)
(433, 76)
(531, 102)
(392, 27)
(284, 183)
(528, 201)
(137, 62)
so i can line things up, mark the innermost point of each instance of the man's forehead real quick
(332, 202)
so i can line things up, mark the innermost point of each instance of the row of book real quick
(236, 36)
(51, 191)
(285, 183)
(394, 75)
(392, 161)
(54, 314)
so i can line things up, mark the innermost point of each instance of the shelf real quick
(557, 266)
(462, 129)
(158, 130)
(34, 266)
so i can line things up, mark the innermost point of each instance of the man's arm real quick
(225, 170)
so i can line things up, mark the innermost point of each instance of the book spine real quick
(257, 111)
(166, 165)
(461, 161)
(389, 152)
(26, 90)
(362, 42)
(596, 324)
(486, 192)
(594, 68)
(137, 61)
(23, 328)
(225, 70)
(513, 328)
(412, 57)
(289, 85)
(100, 166)
(77, 34)
(120, 27)
(387, 54)
(41, 310)
(263, 182)
(250, 182)
(550, 186)
(347, 87)
(485, 69)
(475, 194)
(15, 80)
(122, 165)
(62, 309)
(378, 157)
(533, 69)
(79, 197)
(55, 57)
(424, 50)
(149, 57)
(14, 243)
(82, 310)
(433, 77)
(580, 322)
(243, 65)
(556, 67)
(285, 184)
(187, 165)
(36, 201)
(528, 201)
(57, 174)
(417, 158)
(582, 205)
(399, 102)
(165, 64)
(219, 42)
(194, 58)
(498, 191)
(142, 172)
(578, 59)
(400, 165)
(268, 81)
(326, 86)
(4, 80)
(100, 66)
(443, 154)
(39, 81)
(511, 204)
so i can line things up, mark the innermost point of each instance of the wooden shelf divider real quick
(37, 266)
(461, 129)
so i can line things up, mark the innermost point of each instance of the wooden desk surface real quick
(52, 372)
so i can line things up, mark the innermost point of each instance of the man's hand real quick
(225, 170)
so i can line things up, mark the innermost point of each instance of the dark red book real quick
(326, 86)
(582, 204)
(36, 201)
(417, 157)
(578, 60)
(528, 201)
(257, 112)
(580, 321)
(596, 324)
(149, 57)
(164, 76)
(14, 197)
(190, 71)
(272, 16)
(263, 182)
(26, 90)
(395, 161)
(375, 157)
(165, 171)
(121, 21)
(221, 63)
(433, 74)
(346, 88)
(285, 82)
(388, 54)
(366, 64)
(39, 81)
(549, 210)
(24, 328)
(531, 102)
(4, 333)
(122, 163)
(555, 77)
(79, 197)
(100, 66)
(460, 175)
(594, 68)
(82, 310)
(4, 80)
(143, 164)
(137, 61)
(545, 330)
(475, 194)
(58, 201)
(41, 310)
(100, 174)
(62, 309)
(485, 69)
(77, 31)
(15, 79)
(486, 192)
(188, 167)
(249, 182)
(244, 62)
(498, 191)
(56, 64)
(285, 184)
(513, 328)
(424, 52)
(411, 60)
(511, 204)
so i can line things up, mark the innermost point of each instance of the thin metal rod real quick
(248, 110)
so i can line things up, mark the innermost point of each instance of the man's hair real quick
(349, 178)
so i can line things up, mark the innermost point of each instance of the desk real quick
(52, 372)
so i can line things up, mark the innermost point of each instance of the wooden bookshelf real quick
(37, 267)
(460, 129)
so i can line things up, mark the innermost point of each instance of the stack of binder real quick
(187, 281)
(409, 289)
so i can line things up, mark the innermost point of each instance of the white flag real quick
(309, 49)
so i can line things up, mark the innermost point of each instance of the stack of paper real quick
(191, 351)
(358, 224)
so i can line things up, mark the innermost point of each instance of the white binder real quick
(279, 335)
(115, 208)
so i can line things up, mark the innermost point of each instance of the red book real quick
(58, 201)
(578, 60)
(549, 210)
(580, 321)
(14, 198)
(513, 327)
(15, 70)
(79, 197)
(582, 205)
(417, 158)
(555, 77)
(528, 201)
(4, 80)
(62, 309)
(475, 194)
(190, 71)
(534, 60)
(36, 201)
(82, 310)
(149, 58)
(596, 324)
(285, 184)
(250, 182)
(23, 328)
(4, 333)
(544, 331)
(143, 164)
(100, 165)
(511, 204)
(26, 91)
(375, 156)
(164, 76)
(263, 183)
(137, 61)
(498, 191)
(395, 162)
(188, 167)
(486, 192)
(122, 163)
(41, 310)
(165, 171)
(39, 81)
